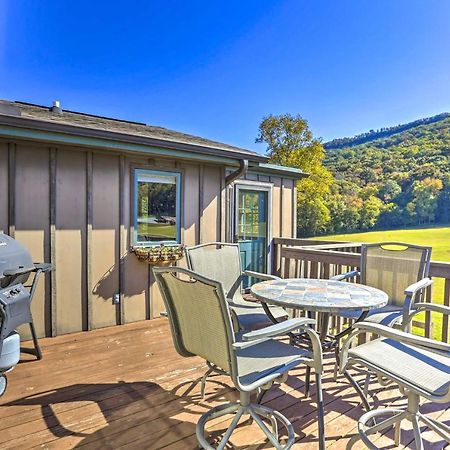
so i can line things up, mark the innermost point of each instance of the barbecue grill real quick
(16, 267)
(14, 311)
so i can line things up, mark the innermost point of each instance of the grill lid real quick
(13, 256)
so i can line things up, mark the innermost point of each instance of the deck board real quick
(127, 387)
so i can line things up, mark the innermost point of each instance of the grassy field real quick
(436, 237)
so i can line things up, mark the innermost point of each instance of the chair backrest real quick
(199, 315)
(393, 266)
(219, 261)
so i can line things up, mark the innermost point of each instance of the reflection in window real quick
(157, 207)
(252, 219)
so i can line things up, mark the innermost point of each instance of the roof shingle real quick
(73, 118)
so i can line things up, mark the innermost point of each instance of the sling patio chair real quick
(401, 270)
(201, 325)
(222, 261)
(418, 365)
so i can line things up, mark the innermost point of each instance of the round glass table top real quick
(319, 295)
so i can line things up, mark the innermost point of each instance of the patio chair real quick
(201, 325)
(222, 261)
(420, 366)
(400, 270)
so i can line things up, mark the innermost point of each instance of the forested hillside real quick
(392, 177)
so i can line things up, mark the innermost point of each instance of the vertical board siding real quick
(74, 207)
(286, 207)
(105, 239)
(223, 206)
(135, 289)
(12, 189)
(70, 240)
(191, 204)
(4, 188)
(211, 207)
(32, 186)
(276, 207)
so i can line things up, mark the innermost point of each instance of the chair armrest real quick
(259, 275)
(414, 288)
(345, 276)
(410, 298)
(278, 329)
(282, 328)
(401, 336)
(390, 333)
(421, 307)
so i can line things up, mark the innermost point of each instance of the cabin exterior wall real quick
(73, 207)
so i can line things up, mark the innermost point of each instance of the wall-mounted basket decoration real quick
(162, 255)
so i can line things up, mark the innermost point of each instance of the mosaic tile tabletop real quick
(319, 295)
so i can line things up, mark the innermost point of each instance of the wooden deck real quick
(127, 387)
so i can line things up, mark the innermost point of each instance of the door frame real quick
(254, 186)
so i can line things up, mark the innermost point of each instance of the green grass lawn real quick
(437, 237)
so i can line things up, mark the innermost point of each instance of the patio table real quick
(320, 295)
(325, 297)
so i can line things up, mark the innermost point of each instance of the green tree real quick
(425, 199)
(370, 211)
(291, 143)
(443, 208)
(389, 190)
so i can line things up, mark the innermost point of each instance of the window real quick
(156, 207)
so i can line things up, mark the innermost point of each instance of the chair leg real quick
(321, 413)
(367, 384)
(438, 427)
(336, 362)
(203, 382)
(411, 413)
(261, 395)
(358, 389)
(257, 412)
(364, 431)
(398, 433)
(307, 381)
(417, 435)
(212, 371)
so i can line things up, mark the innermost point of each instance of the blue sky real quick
(216, 68)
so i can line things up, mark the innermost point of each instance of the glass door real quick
(252, 229)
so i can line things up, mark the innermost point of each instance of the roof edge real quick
(55, 127)
(284, 171)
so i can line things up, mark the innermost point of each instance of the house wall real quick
(73, 207)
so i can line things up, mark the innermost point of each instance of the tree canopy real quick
(291, 143)
(393, 177)
(407, 169)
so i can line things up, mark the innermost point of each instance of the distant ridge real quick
(372, 135)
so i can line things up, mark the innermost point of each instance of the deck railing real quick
(306, 258)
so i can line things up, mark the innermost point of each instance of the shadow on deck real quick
(127, 387)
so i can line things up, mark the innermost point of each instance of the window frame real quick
(178, 208)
